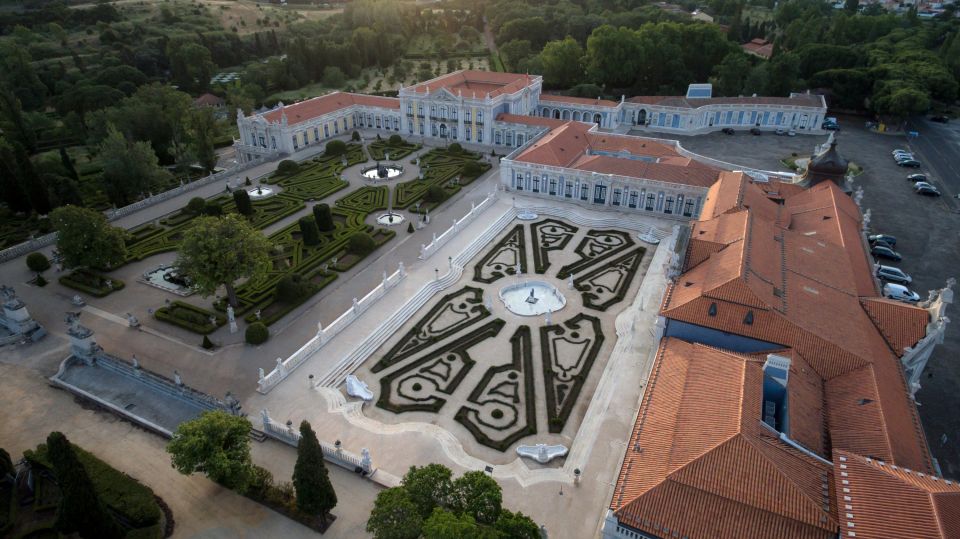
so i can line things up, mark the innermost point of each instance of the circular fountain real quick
(532, 298)
(381, 171)
(260, 192)
(390, 219)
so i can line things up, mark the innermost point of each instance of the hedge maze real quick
(503, 258)
(426, 367)
(549, 235)
(380, 148)
(608, 284)
(440, 168)
(415, 386)
(505, 399)
(568, 351)
(596, 246)
(452, 313)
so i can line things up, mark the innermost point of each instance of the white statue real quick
(176, 378)
(358, 388)
(542, 453)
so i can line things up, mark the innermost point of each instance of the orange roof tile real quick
(900, 324)
(325, 104)
(699, 448)
(882, 500)
(476, 83)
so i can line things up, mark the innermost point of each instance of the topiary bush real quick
(288, 167)
(37, 262)
(323, 218)
(455, 148)
(292, 288)
(355, 136)
(472, 169)
(242, 199)
(335, 148)
(361, 243)
(410, 227)
(435, 193)
(213, 209)
(308, 230)
(196, 206)
(257, 333)
(395, 139)
(207, 344)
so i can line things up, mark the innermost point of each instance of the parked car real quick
(903, 155)
(791, 133)
(917, 177)
(881, 244)
(755, 131)
(924, 188)
(781, 132)
(940, 119)
(900, 150)
(900, 293)
(831, 127)
(910, 163)
(892, 274)
(727, 131)
(887, 238)
(881, 251)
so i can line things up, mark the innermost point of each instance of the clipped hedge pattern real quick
(549, 235)
(91, 282)
(564, 378)
(501, 387)
(598, 245)
(379, 148)
(501, 260)
(597, 294)
(190, 317)
(439, 168)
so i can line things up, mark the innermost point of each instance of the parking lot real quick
(926, 229)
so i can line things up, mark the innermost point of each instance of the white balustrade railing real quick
(458, 224)
(324, 334)
(290, 435)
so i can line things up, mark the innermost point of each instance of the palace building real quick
(507, 110)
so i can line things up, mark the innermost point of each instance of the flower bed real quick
(190, 317)
(91, 282)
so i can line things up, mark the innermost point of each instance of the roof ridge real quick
(796, 454)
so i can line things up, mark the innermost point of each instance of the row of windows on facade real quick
(441, 112)
(564, 114)
(660, 202)
(730, 117)
(339, 125)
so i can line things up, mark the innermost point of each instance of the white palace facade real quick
(585, 151)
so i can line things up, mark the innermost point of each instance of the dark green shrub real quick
(355, 136)
(455, 148)
(242, 200)
(213, 209)
(293, 288)
(395, 140)
(410, 227)
(40, 281)
(323, 218)
(308, 230)
(196, 206)
(435, 193)
(361, 243)
(37, 262)
(247, 181)
(257, 333)
(207, 344)
(288, 167)
(336, 148)
(472, 169)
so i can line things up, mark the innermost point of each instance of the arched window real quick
(566, 115)
(596, 118)
(556, 114)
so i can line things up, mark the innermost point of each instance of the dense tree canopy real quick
(85, 239)
(217, 444)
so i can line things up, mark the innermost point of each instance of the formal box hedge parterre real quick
(91, 282)
(190, 317)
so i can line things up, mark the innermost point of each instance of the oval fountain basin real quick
(260, 193)
(382, 172)
(390, 219)
(532, 298)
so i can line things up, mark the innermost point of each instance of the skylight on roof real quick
(699, 91)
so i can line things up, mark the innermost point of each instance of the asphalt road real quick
(938, 149)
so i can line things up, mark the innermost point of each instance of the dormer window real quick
(713, 309)
(748, 320)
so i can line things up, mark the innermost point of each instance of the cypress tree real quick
(308, 229)
(242, 199)
(315, 495)
(80, 509)
(68, 164)
(323, 218)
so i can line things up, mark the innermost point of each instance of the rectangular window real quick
(326, 131)
(616, 197)
(467, 134)
(740, 118)
(553, 186)
(519, 182)
(668, 205)
(766, 117)
(479, 116)
(633, 199)
(568, 191)
(688, 208)
(716, 117)
(728, 117)
(295, 143)
(536, 184)
(583, 192)
(316, 134)
(650, 199)
(480, 135)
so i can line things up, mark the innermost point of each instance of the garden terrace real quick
(91, 282)
(380, 148)
(467, 363)
(190, 317)
(441, 168)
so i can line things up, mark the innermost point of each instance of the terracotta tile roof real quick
(759, 47)
(208, 100)
(900, 324)
(577, 146)
(325, 104)
(881, 500)
(476, 83)
(552, 98)
(735, 191)
(802, 100)
(700, 463)
(530, 120)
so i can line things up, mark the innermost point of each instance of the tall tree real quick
(129, 169)
(315, 494)
(429, 486)
(321, 214)
(562, 63)
(191, 65)
(731, 74)
(85, 239)
(80, 509)
(478, 495)
(217, 251)
(203, 131)
(217, 444)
